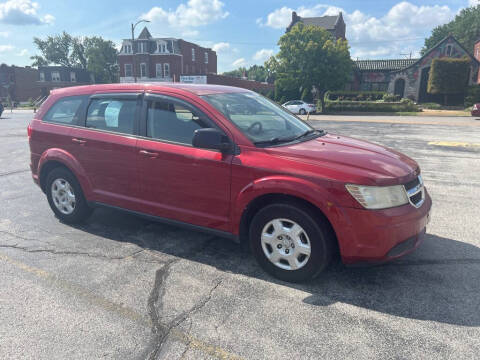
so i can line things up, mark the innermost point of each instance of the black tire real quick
(302, 111)
(322, 241)
(81, 210)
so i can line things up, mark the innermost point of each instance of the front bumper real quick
(376, 236)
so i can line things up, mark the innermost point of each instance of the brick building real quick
(163, 59)
(333, 24)
(18, 83)
(52, 77)
(476, 54)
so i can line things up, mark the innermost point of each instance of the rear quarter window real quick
(66, 110)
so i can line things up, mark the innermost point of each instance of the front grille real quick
(415, 191)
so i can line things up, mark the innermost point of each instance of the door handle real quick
(148, 153)
(79, 141)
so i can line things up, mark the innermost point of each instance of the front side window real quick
(262, 121)
(55, 76)
(170, 121)
(112, 115)
(65, 111)
(128, 69)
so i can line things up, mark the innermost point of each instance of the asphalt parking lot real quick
(121, 287)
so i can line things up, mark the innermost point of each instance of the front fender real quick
(285, 185)
(68, 160)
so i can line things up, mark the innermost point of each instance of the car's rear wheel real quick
(65, 196)
(302, 112)
(290, 243)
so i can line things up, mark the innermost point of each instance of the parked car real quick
(476, 110)
(192, 155)
(300, 107)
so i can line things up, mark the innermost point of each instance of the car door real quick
(105, 147)
(295, 107)
(177, 180)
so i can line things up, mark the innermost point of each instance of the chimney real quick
(295, 17)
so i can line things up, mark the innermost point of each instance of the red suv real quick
(231, 162)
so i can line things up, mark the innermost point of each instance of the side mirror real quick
(209, 138)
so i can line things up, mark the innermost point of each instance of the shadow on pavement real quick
(441, 282)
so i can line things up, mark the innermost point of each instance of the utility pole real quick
(133, 48)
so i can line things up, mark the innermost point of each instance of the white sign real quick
(197, 79)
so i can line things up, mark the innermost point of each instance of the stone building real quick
(409, 77)
(333, 24)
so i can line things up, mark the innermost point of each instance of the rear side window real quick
(116, 115)
(66, 110)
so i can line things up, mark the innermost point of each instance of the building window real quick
(142, 47)
(127, 49)
(42, 76)
(166, 70)
(206, 57)
(158, 70)
(55, 76)
(186, 69)
(143, 70)
(449, 50)
(193, 54)
(162, 47)
(128, 69)
(73, 77)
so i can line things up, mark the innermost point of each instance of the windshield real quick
(261, 120)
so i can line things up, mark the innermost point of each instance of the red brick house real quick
(18, 83)
(163, 59)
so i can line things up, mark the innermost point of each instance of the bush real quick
(391, 98)
(403, 106)
(431, 106)
(354, 95)
(472, 96)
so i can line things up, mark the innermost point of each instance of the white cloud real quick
(239, 63)
(6, 48)
(221, 47)
(23, 12)
(193, 14)
(263, 55)
(400, 31)
(23, 52)
(4, 34)
(473, 2)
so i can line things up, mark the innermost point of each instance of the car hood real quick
(352, 160)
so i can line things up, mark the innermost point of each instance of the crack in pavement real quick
(13, 172)
(81, 253)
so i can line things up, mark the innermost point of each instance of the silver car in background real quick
(300, 107)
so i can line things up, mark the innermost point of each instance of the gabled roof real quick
(326, 22)
(383, 65)
(145, 34)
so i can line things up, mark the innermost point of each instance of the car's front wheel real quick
(65, 196)
(302, 112)
(290, 243)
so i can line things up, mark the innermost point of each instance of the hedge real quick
(370, 106)
(473, 95)
(354, 95)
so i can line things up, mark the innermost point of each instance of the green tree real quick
(465, 28)
(311, 60)
(95, 54)
(448, 76)
(255, 72)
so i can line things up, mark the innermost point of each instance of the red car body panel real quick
(212, 189)
(476, 110)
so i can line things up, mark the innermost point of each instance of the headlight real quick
(378, 197)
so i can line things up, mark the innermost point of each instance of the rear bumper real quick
(475, 112)
(379, 236)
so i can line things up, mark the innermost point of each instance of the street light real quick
(133, 48)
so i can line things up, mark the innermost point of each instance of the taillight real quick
(29, 130)
(475, 107)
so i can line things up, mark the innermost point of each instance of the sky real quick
(242, 33)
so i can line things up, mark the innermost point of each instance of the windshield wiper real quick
(278, 140)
